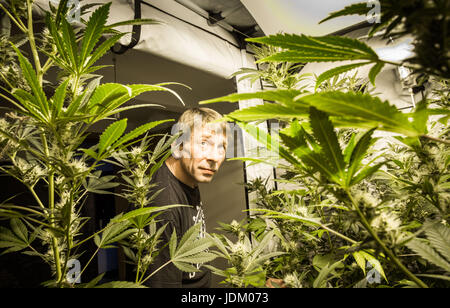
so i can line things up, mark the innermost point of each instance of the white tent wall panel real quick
(251, 145)
(174, 38)
(181, 42)
(299, 16)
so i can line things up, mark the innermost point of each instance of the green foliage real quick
(303, 49)
(17, 238)
(245, 257)
(364, 109)
(348, 201)
(190, 249)
(437, 250)
(321, 152)
(111, 135)
(346, 109)
(322, 278)
(429, 27)
(113, 232)
(279, 75)
(43, 130)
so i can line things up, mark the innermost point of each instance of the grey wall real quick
(224, 201)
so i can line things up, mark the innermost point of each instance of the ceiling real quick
(232, 12)
(273, 16)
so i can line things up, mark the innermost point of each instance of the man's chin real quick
(204, 179)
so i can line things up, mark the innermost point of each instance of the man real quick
(196, 157)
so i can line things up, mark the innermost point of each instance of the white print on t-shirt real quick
(199, 218)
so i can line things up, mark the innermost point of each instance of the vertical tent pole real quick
(250, 145)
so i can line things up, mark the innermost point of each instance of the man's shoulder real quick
(168, 191)
(166, 186)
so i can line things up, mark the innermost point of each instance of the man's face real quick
(203, 155)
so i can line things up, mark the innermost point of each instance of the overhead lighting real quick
(398, 52)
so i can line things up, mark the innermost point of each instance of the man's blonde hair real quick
(207, 115)
(197, 118)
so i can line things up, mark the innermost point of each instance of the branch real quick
(437, 139)
(18, 22)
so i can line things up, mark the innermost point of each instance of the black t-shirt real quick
(180, 219)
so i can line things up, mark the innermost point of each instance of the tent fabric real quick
(181, 42)
(301, 17)
(251, 145)
(183, 36)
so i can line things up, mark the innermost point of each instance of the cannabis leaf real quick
(304, 49)
(363, 256)
(436, 249)
(324, 133)
(137, 132)
(268, 111)
(111, 134)
(36, 103)
(16, 238)
(354, 9)
(143, 211)
(191, 249)
(365, 108)
(113, 233)
(285, 97)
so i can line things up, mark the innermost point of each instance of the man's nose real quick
(214, 155)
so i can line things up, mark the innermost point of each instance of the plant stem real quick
(436, 139)
(36, 197)
(18, 22)
(90, 260)
(37, 221)
(157, 270)
(25, 209)
(6, 80)
(399, 64)
(47, 65)
(51, 202)
(139, 258)
(51, 191)
(32, 41)
(339, 234)
(88, 238)
(391, 255)
(69, 239)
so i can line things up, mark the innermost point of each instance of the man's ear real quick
(176, 150)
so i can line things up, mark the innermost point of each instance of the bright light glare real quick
(396, 53)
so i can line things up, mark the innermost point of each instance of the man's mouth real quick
(208, 171)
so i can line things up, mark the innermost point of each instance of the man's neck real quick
(177, 170)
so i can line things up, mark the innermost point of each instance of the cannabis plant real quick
(355, 208)
(42, 143)
(245, 258)
(278, 75)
